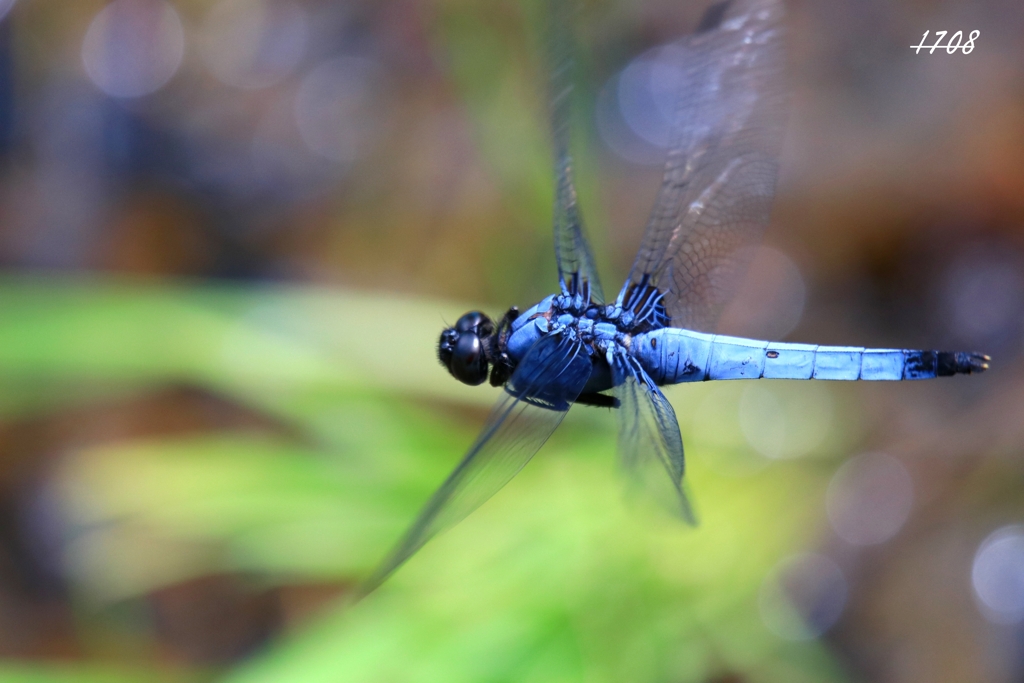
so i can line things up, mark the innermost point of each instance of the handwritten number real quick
(951, 47)
(969, 45)
(917, 48)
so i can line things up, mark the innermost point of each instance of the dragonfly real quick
(576, 347)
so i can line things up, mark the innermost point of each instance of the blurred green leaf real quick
(261, 344)
(554, 579)
(556, 563)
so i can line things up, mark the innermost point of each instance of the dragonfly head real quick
(463, 348)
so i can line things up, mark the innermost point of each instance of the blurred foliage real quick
(555, 579)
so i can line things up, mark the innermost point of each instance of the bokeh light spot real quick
(634, 109)
(5, 7)
(133, 47)
(640, 113)
(769, 301)
(254, 43)
(998, 575)
(984, 297)
(617, 136)
(647, 93)
(869, 498)
(803, 596)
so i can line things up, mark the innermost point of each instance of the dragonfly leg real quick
(502, 367)
(506, 321)
(501, 370)
(501, 364)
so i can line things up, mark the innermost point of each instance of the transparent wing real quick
(650, 446)
(576, 267)
(719, 180)
(538, 395)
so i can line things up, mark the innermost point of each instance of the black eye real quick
(468, 362)
(475, 322)
(462, 350)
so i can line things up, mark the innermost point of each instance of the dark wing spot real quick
(773, 354)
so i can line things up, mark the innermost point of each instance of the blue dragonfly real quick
(574, 347)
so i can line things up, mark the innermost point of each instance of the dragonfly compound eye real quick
(468, 361)
(475, 322)
(461, 348)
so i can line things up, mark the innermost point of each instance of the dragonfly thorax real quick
(595, 326)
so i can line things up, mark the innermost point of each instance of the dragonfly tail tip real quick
(974, 362)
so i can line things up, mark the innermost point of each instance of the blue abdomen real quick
(672, 355)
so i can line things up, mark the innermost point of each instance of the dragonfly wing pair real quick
(715, 198)
(716, 194)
